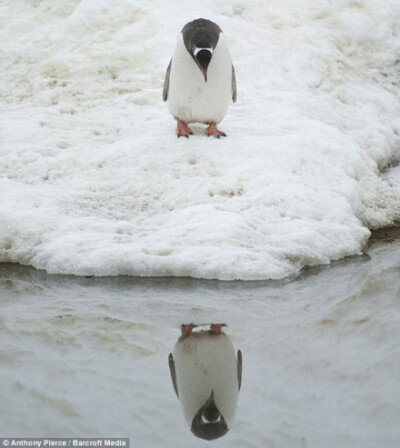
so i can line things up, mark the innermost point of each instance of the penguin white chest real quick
(191, 98)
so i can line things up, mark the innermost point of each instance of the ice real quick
(93, 180)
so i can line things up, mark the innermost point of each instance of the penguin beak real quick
(202, 57)
(211, 412)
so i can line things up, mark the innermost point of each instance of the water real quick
(321, 354)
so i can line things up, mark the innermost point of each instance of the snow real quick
(93, 180)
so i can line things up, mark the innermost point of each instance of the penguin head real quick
(209, 423)
(201, 37)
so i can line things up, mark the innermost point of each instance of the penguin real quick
(206, 375)
(200, 79)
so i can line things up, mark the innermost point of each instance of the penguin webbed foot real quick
(182, 130)
(217, 328)
(186, 330)
(214, 131)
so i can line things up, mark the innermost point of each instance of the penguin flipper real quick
(234, 92)
(239, 367)
(166, 82)
(171, 363)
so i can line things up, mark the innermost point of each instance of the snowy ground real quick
(94, 181)
(88, 356)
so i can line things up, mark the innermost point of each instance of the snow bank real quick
(93, 180)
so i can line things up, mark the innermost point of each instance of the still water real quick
(321, 356)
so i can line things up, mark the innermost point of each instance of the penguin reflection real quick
(206, 375)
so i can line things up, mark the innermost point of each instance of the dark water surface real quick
(88, 356)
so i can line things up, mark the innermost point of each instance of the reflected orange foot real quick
(182, 130)
(217, 328)
(214, 131)
(186, 330)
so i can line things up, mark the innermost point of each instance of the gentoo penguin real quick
(200, 79)
(206, 375)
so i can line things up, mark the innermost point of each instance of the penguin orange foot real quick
(214, 131)
(217, 328)
(182, 130)
(186, 330)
